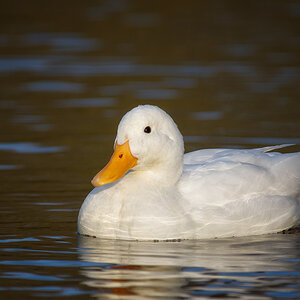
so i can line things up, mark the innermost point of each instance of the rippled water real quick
(263, 267)
(227, 72)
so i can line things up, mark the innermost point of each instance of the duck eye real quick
(147, 129)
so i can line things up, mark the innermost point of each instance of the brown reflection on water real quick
(227, 72)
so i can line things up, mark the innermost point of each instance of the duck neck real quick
(161, 174)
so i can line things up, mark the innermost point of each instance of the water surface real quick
(228, 73)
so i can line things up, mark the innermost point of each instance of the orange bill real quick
(121, 161)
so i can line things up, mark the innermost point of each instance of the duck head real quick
(149, 143)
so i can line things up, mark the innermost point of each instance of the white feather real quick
(203, 194)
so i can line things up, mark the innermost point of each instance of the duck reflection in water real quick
(229, 266)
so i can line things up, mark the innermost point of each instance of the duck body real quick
(203, 194)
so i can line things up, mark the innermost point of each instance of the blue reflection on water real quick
(29, 276)
(157, 94)
(52, 291)
(207, 115)
(88, 102)
(29, 239)
(9, 167)
(54, 86)
(26, 147)
(71, 42)
(32, 64)
(53, 263)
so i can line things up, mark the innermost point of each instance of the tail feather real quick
(271, 148)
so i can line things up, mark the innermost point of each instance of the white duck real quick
(150, 190)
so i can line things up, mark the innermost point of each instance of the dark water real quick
(227, 72)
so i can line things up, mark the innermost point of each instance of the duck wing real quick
(241, 192)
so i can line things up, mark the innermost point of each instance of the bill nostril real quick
(121, 155)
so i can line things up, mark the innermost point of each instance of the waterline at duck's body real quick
(203, 194)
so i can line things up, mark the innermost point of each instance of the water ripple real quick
(26, 147)
(29, 276)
